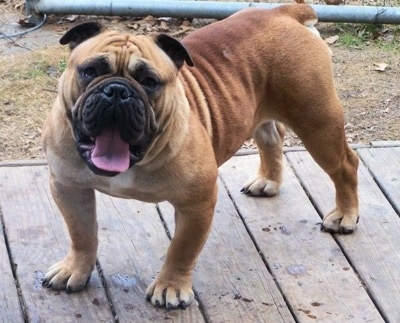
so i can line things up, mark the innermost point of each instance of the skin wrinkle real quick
(196, 97)
(228, 93)
(118, 51)
(134, 50)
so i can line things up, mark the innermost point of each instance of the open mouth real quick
(107, 154)
(113, 125)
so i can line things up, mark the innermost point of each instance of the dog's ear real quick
(174, 49)
(80, 33)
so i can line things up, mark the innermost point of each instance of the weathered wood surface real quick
(309, 266)
(10, 309)
(374, 248)
(265, 259)
(133, 244)
(384, 165)
(241, 288)
(37, 239)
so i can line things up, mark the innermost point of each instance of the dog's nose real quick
(116, 91)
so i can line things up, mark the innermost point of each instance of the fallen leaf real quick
(333, 2)
(150, 20)
(381, 67)
(163, 26)
(331, 40)
(185, 23)
(133, 26)
(26, 22)
(72, 18)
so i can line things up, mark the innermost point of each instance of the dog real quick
(152, 118)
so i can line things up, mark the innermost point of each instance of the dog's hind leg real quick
(269, 138)
(324, 137)
(325, 140)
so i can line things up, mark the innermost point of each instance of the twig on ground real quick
(49, 90)
(14, 41)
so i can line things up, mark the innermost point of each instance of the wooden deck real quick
(265, 260)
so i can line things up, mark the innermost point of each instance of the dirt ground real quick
(366, 70)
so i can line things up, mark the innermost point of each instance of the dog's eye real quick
(89, 72)
(149, 82)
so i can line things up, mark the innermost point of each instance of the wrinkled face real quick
(117, 82)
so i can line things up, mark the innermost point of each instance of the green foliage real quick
(36, 69)
(361, 35)
(42, 67)
(62, 64)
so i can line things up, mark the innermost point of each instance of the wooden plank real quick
(386, 143)
(37, 238)
(10, 310)
(374, 248)
(230, 278)
(314, 275)
(19, 163)
(133, 244)
(384, 164)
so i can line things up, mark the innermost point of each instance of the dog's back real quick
(259, 50)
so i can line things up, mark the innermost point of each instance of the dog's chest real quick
(129, 185)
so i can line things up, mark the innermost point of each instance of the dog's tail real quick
(303, 13)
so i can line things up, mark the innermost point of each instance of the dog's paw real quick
(67, 275)
(260, 186)
(337, 222)
(170, 294)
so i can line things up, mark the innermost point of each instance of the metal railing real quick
(202, 9)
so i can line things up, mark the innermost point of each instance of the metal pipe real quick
(210, 9)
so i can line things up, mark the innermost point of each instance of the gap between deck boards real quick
(276, 267)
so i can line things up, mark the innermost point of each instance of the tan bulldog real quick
(151, 118)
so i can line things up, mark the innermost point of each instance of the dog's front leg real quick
(78, 208)
(173, 285)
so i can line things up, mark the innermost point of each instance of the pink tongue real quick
(110, 152)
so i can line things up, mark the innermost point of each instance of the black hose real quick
(40, 24)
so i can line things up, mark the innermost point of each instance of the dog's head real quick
(113, 91)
